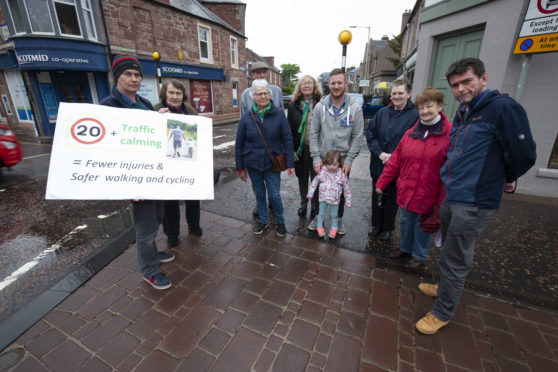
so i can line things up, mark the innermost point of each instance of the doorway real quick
(448, 50)
(71, 87)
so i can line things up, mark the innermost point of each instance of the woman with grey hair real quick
(383, 135)
(263, 132)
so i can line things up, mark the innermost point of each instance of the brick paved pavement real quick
(246, 303)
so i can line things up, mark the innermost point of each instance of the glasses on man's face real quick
(261, 94)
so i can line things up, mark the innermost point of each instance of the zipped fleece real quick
(343, 132)
(491, 145)
(416, 162)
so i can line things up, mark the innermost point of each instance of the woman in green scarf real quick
(263, 133)
(306, 94)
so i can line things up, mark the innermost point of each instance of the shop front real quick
(54, 71)
(199, 82)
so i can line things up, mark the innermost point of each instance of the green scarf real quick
(261, 113)
(302, 127)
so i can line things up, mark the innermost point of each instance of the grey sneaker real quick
(313, 225)
(341, 230)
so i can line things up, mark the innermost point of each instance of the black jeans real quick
(304, 171)
(384, 218)
(171, 221)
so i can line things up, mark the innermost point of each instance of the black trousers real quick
(304, 171)
(171, 220)
(384, 218)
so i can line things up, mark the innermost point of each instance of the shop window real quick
(67, 17)
(19, 95)
(89, 19)
(235, 93)
(234, 52)
(15, 12)
(201, 96)
(36, 16)
(553, 161)
(204, 35)
(39, 16)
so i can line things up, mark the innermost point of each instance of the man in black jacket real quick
(148, 214)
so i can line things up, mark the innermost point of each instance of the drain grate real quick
(472, 285)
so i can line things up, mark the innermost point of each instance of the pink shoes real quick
(320, 231)
(332, 233)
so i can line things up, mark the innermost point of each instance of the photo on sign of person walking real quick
(181, 140)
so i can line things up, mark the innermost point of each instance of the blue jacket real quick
(491, 144)
(250, 151)
(118, 99)
(385, 132)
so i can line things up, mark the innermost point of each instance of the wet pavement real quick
(261, 303)
(43, 241)
(515, 258)
(236, 294)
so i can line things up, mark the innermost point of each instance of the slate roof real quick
(196, 9)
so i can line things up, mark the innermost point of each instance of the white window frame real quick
(31, 24)
(234, 52)
(68, 2)
(209, 58)
(10, 11)
(88, 15)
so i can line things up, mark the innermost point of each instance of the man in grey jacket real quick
(259, 71)
(337, 124)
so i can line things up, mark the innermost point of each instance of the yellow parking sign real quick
(536, 44)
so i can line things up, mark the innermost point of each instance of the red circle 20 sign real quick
(88, 131)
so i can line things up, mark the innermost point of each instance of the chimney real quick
(271, 60)
(405, 18)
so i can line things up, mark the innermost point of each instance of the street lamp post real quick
(344, 38)
(367, 51)
(157, 58)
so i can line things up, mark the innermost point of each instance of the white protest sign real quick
(101, 152)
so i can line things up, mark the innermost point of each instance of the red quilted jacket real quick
(417, 162)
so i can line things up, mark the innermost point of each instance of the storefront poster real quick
(19, 95)
(102, 152)
(49, 98)
(201, 97)
(149, 90)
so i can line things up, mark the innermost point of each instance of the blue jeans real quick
(148, 214)
(413, 239)
(333, 209)
(270, 181)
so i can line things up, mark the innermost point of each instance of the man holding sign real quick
(148, 214)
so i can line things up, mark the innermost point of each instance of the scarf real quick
(302, 128)
(174, 110)
(261, 113)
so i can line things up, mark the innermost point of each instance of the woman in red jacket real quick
(417, 161)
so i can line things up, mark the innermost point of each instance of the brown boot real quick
(429, 289)
(429, 324)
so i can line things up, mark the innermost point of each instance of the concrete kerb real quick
(32, 312)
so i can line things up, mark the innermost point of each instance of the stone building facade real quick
(54, 52)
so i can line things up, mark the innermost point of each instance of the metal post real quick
(159, 75)
(343, 58)
(522, 77)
